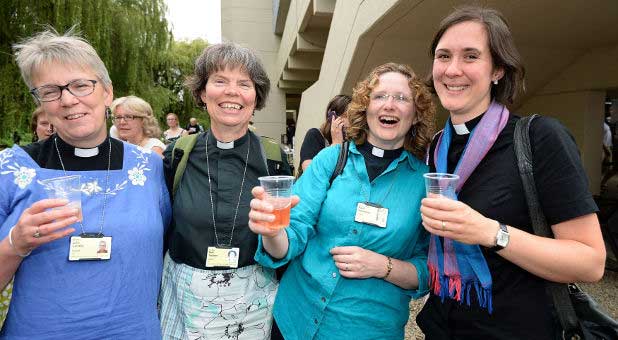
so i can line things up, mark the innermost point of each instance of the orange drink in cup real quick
(278, 192)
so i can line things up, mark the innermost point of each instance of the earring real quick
(495, 81)
(108, 112)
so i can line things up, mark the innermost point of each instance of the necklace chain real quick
(109, 162)
(242, 184)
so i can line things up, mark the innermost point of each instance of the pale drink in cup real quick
(66, 187)
(441, 184)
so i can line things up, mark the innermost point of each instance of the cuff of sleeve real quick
(423, 278)
(262, 257)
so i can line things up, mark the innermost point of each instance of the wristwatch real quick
(502, 238)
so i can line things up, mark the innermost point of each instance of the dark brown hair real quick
(418, 137)
(339, 104)
(504, 54)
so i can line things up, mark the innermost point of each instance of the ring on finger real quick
(443, 226)
(347, 267)
(37, 234)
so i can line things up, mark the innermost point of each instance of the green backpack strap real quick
(186, 144)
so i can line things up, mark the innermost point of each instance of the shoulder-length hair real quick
(139, 107)
(504, 54)
(419, 136)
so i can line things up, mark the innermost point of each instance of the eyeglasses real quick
(77, 87)
(126, 118)
(398, 97)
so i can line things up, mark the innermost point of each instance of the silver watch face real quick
(502, 239)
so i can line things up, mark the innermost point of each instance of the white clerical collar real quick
(225, 146)
(377, 152)
(461, 129)
(85, 153)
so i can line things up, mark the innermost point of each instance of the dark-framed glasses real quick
(77, 87)
(126, 118)
(397, 97)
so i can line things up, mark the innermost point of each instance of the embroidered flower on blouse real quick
(136, 176)
(23, 176)
(91, 187)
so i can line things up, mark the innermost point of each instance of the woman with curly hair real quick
(356, 249)
(136, 123)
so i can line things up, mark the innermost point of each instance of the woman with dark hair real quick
(329, 133)
(204, 294)
(488, 270)
(356, 250)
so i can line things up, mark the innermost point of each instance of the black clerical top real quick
(45, 155)
(193, 230)
(376, 164)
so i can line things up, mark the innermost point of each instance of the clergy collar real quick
(465, 128)
(376, 152)
(80, 152)
(229, 145)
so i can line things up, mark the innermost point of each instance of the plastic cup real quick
(278, 191)
(441, 184)
(66, 187)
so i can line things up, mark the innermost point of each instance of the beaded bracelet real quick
(389, 267)
(13, 246)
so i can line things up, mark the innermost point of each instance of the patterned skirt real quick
(216, 304)
(5, 300)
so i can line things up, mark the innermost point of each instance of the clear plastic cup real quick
(278, 191)
(441, 184)
(66, 187)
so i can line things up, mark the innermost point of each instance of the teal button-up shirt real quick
(314, 301)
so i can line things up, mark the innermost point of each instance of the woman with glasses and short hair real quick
(356, 249)
(329, 133)
(62, 289)
(136, 123)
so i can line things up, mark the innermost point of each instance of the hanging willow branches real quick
(132, 37)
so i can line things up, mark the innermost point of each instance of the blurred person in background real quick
(194, 127)
(136, 124)
(40, 126)
(175, 131)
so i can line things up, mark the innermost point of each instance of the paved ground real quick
(605, 292)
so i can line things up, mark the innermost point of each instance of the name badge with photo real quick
(90, 247)
(222, 257)
(372, 214)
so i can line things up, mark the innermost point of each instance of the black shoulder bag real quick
(579, 315)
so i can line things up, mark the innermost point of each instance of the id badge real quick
(90, 247)
(370, 213)
(222, 257)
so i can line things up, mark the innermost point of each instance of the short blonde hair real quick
(139, 107)
(419, 136)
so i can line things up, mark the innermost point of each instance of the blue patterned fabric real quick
(115, 299)
(314, 301)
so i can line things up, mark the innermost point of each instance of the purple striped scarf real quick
(456, 268)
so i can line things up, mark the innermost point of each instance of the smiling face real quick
(463, 71)
(129, 130)
(390, 119)
(172, 121)
(79, 121)
(229, 95)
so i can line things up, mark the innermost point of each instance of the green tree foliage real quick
(132, 38)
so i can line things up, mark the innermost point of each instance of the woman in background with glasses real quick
(329, 133)
(136, 123)
(124, 202)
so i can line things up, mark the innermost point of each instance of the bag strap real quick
(186, 144)
(559, 291)
(341, 160)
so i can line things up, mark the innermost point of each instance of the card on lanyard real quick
(371, 213)
(90, 247)
(222, 257)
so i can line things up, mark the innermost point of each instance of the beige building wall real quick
(250, 23)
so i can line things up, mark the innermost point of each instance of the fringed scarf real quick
(456, 268)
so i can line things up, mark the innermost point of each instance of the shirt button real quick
(354, 231)
(334, 274)
(323, 299)
(315, 321)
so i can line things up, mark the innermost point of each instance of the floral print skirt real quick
(5, 300)
(216, 304)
